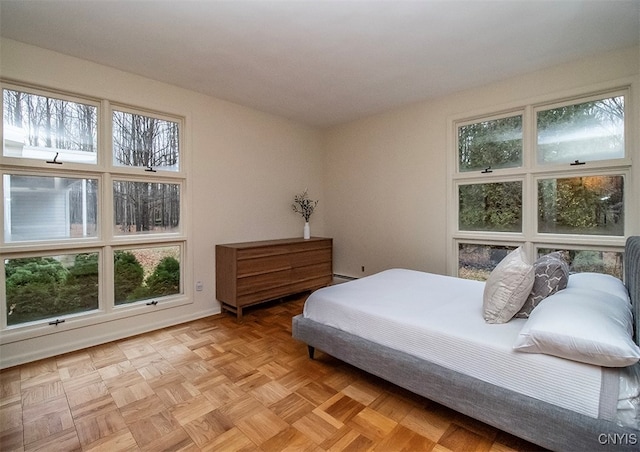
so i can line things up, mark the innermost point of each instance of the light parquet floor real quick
(215, 384)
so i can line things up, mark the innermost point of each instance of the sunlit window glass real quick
(49, 129)
(585, 132)
(490, 144)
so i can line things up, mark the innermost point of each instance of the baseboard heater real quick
(349, 278)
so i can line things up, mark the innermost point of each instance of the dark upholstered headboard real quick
(632, 278)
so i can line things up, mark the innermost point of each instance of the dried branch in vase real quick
(303, 205)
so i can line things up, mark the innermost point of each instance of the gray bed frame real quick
(539, 422)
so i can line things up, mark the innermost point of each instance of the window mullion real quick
(529, 196)
(106, 210)
(104, 143)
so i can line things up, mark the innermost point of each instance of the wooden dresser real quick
(254, 272)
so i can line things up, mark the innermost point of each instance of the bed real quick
(557, 403)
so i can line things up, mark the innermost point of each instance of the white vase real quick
(307, 231)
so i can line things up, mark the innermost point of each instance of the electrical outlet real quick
(363, 268)
(199, 286)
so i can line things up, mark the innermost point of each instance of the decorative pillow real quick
(551, 275)
(585, 325)
(507, 288)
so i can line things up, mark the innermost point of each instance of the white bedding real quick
(439, 318)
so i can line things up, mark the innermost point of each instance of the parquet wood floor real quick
(215, 384)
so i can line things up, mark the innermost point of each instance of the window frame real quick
(132, 170)
(625, 173)
(480, 181)
(105, 241)
(182, 289)
(626, 92)
(35, 163)
(42, 243)
(531, 171)
(491, 117)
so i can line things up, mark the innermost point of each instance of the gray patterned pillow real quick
(551, 275)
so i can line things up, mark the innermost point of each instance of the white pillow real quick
(601, 282)
(583, 325)
(507, 288)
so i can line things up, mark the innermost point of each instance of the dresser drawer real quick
(310, 257)
(310, 245)
(264, 281)
(322, 269)
(264, 295)
(261, 251)
(311, 284)
(264, 264)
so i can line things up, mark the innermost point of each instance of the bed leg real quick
(311, 351)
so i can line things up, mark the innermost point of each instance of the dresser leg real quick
(312, 351)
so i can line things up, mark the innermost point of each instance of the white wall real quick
(386, 175)
(244, 168)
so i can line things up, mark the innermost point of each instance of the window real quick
(144, 273)
(145, 141)
(140, 207)
(68, 204)
(589, 260)
(494, 143)
(41, 127)
(91, 226)
(477, 261)
(542, 175)
(490, 207)
(50, 286)
(592, 130)
(586, 205)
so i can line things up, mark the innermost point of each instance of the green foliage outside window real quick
(80, 289)
(131, 285)
(43, 287)
(128, 275)
(581, 205)
(50, 287)
(165, 280)
(491, 207)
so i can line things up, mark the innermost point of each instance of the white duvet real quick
(439, 318)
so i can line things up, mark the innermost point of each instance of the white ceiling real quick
(325, 62)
